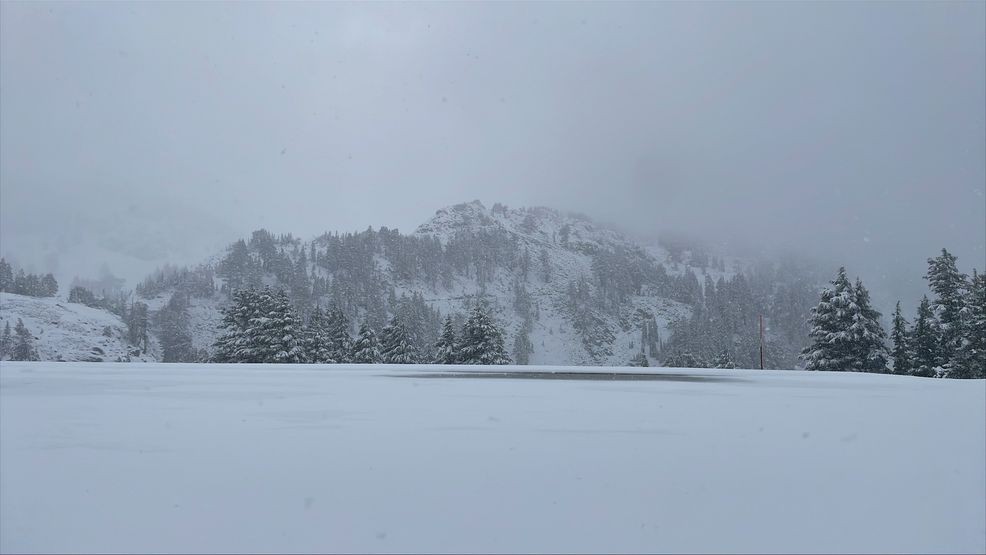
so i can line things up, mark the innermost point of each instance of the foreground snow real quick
(191, 458)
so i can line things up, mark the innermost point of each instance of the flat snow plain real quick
(222, 458)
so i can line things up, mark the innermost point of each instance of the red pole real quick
(761, 341)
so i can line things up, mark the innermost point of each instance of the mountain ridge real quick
(566, 289)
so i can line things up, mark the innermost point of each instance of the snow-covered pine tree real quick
(445, 347)
(260, 327)
(832, 346)
(234, 344)
(925, 341)
(901, 351)
(277, 330)
(869, 338)
(136, 321)
(23, 347)
(6, 276)
(48, 286)
(6, 341)
(971, 357)
(318, 340)
(342, 341)
(395, 344)
(949, 286)
(366, 350)
(481, 341)
(173, 321)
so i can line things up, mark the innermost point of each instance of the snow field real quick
(265, 458)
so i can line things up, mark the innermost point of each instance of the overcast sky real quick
(854, 131)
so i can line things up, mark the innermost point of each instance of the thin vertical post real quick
(761, 341)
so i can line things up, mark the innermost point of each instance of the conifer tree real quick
(318, 340)
(234, 344)
(445, 347)
(481, 341)
(6, 341)
(278, 331)
(925, 342)
(869, 338)
(366, 350)
(260, 327)
(901, 351)
(971, 357)
(395, 344)
(6, 276)
(831, 346)
(136, 321)
(173, 321)
(23, 345)
(949, 286)
(48, 286)
(342, 342)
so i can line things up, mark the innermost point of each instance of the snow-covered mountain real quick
(562, 249)
(566, 290)
(524, 263)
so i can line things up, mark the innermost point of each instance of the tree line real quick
(947, 338)
(19, 345)
(21, 283)
(262, 326)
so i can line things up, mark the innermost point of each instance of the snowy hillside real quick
(564, 289)
(406, 459)
(69, 331)
(567, 243)
(524, 263)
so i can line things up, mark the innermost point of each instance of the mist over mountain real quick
(566, 290)
(88, 232)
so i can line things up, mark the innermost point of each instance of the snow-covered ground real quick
(216, 458)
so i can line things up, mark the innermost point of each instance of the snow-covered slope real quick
(581, 292)
(69, 331)
(543, 230)
(373, 459)
(559, 250)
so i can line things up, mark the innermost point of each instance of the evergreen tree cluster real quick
(946, 339)
(480, 341)
(948, 336)
(174, 333)
(117, 302)
(21, 283)
(191, 282)
(846, 334)
(261, 326)
(18, 345)
(723, 328)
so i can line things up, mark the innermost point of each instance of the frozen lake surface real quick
(220, 458)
